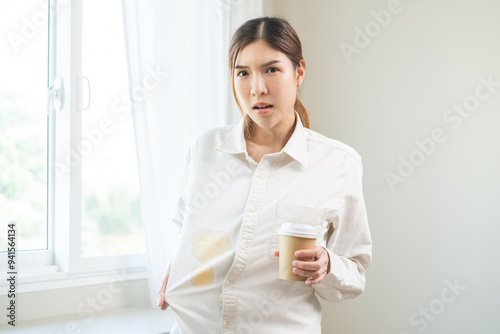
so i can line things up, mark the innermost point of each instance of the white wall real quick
(442, 223)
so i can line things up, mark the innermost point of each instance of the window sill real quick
(122, 320)
(49, 279)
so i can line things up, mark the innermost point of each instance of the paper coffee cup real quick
(294, 237)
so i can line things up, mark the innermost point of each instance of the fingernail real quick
(298, 253)
(294, 263)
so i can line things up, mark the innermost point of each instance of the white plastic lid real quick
(298, 230)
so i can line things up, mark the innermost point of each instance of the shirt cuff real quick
(334, 287)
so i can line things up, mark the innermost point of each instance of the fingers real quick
(314, 266)
(306, 273)
(160, 299)
(316, 280)
(162, 304)
(309, 265)
(314, 252)
(315, 270)
(313, 277)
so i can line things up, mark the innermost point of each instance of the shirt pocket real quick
(297, 214)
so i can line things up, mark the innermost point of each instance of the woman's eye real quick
(244, 73)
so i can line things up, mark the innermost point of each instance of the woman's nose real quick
(258, 86)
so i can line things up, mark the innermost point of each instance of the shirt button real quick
(261, 176)
(243, 246)
(226, 324)
(252, 209)
(280, 164)
(228, 283)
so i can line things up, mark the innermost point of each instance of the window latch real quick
(55, 96)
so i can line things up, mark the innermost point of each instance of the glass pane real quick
(23, 121)
(111, 219)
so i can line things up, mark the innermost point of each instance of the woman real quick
(242, 181)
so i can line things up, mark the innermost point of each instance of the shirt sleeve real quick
(179, 208)
(349, 246)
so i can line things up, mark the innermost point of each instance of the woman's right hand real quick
(162, 304)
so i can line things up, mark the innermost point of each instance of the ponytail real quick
(301, 110)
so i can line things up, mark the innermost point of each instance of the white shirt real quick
(224, 275)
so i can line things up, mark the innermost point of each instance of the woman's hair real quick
(279, 35)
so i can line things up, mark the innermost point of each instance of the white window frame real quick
(42, 259)
(63, 258)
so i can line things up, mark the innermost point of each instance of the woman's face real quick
(264, 75)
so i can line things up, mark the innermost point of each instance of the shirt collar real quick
(296, 146)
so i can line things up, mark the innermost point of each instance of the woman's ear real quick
(300, 72)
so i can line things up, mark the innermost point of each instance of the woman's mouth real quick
(261, 110)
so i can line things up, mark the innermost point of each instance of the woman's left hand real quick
(315, 269)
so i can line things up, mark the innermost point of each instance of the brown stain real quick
(207, 245)
(202, 276)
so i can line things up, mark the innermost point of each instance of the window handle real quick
(81, 108)
(55, 95)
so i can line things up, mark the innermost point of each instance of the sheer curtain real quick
(179, 86)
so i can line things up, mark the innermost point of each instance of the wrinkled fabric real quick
(224, 275)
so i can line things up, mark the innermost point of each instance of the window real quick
(23, 127)
(110, 189)
(71, 181)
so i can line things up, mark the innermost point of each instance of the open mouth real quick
(264, 107)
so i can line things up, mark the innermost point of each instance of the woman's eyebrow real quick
(263, 65)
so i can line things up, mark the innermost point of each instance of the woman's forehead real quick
(258, 54)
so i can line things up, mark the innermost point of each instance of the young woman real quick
(241, 182)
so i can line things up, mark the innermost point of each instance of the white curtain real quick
(179, 86)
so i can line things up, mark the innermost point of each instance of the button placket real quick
(246, 236)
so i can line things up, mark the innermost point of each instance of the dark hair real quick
(279, 35)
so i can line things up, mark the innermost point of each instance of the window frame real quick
(64, 201)
(36, 260)
(68, 131)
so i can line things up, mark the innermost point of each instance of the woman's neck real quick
(272, 139)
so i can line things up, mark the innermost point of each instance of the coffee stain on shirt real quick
(202, 276)
(207, 246)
